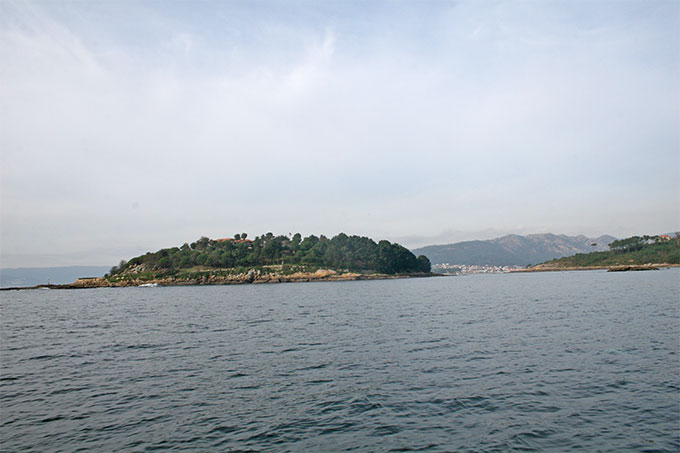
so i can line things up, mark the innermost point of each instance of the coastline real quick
(251, 277)
(610, 268)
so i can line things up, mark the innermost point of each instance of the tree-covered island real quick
(266, 258)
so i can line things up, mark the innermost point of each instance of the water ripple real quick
(569, 361)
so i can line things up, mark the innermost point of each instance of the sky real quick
(126, 127)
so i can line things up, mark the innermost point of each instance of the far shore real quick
(612, 268)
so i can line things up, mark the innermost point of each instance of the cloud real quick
(426, 119)
(312, 71)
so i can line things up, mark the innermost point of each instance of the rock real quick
(632, 268)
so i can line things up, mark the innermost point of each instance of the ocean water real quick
(584, 361)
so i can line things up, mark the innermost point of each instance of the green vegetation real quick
(636, 250)
(197, 273)
(269, 253)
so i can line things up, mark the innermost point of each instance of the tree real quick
(309, 242)
(627, 245)
(386, 258)
(340, 252)
(214, 259)
(185, 262)
(244, 236)
(297, 239)
(201, 244)
(424, 264)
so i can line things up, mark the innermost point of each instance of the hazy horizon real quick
(127, 127)
(426, 242)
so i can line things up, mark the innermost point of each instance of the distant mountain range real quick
(514, 249)
(31, 276)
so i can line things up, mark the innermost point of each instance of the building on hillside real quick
(235, 241)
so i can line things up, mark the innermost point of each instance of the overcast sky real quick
(126, 127)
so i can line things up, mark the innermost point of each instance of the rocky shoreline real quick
(612, 268)
(251, 277)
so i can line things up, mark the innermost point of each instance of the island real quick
(265, 259)
(636, 253)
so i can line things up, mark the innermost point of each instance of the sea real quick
(563, 361)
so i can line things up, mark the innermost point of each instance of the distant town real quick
(461, 269)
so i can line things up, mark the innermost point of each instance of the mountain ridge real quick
(514, 249)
